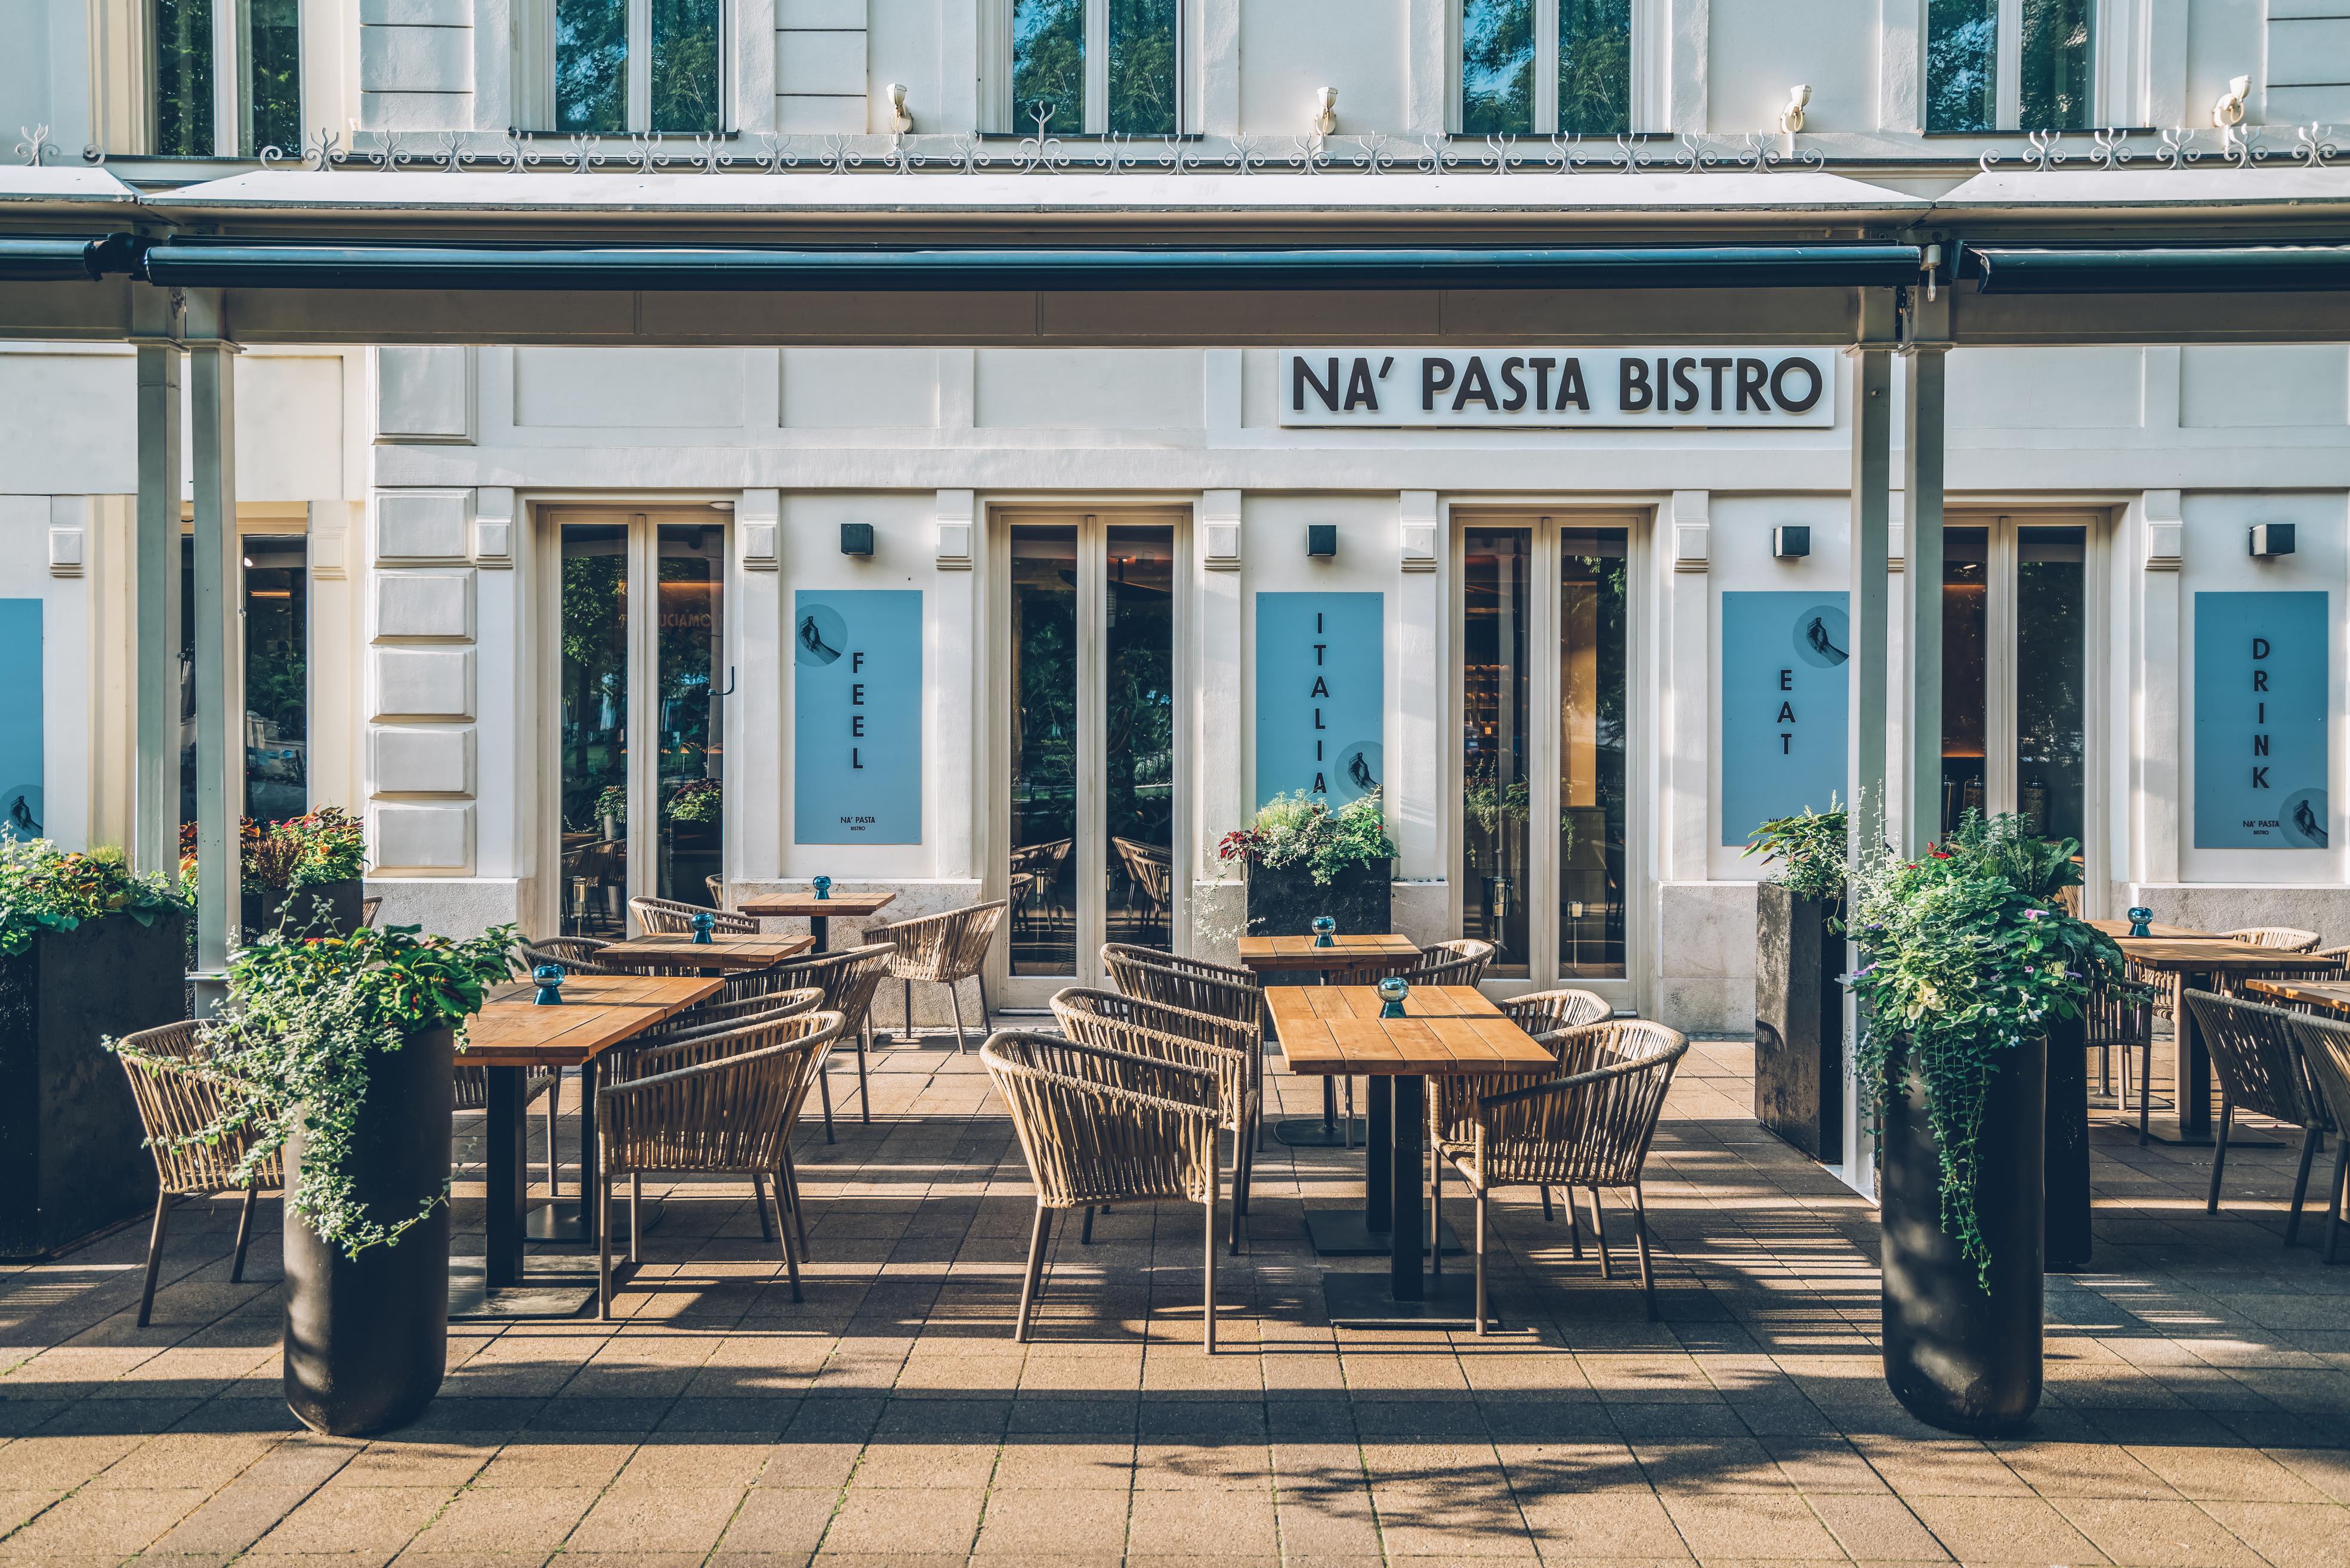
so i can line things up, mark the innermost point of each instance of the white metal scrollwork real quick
(36, 146)
(1042, 153)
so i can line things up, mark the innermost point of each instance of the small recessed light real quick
(722, 506)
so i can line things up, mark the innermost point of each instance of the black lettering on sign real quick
(1779, 393)
(1752, 373)
(857, 695)
(1320, 788)
(1570, 386)
(1317, 654)
(2260, 745)
(1473, 385)
(1360, 393)
(1684, 385)
(1435, 376)
(2259, 778)
(1715, 367)
(1786, 714)
(1321, 687)
(856, 726)
(1302, 377)
(1510, 379)
(1317, 719)
(856, 661)
(2260, 680)
(854, 760)
(1786, 680)
(1632, 392)
(1786, 745)
(2259, 647)
(1541, 367)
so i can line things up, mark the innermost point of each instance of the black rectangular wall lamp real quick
(2271, 539)
(1321, 538)
(857, 538)
(1791, 541)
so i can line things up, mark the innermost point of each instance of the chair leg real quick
(759, 1202)
(1239, 1177)
(1346, 1116)
(1086, 1231)
(2145, 1086)
(604, 1247)
(2339, 1194)
(908, 1034)
(1029, 1282)
(979, 984)
(1640, 1234)
(1481, 1259)
(799, 1209)
(1546, 1197)
(1208, 1271)
(243, 1234)
(553, 1113)
(636, 1214)
(2309, 1136)
(154, 1255)
(863, 1090)
(824, 1097)
(954, 1000)
(1574, 1223)
(791, 1253)
(1599, 1233)
(2218, 1155)
(1436, 1209)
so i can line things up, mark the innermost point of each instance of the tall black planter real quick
(1957, 1355)
(1284, 901)
(366, 1339)
(1799, 1020)
(71, 1154)
(266, 908)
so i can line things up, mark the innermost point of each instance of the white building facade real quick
(571, 623)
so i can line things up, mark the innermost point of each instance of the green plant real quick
(1301, 829)
(306, 1016)
(697, 800)
(1810, 850)
(1968, 953)
(44, 889)
(329, 845)
(611, 800)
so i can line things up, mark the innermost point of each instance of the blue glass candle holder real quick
(1326, 931)
(2138, 919)
(1392, 991)
(549, 977)
(703, 924)
(824, 886)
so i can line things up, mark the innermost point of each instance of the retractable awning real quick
(2167, 269)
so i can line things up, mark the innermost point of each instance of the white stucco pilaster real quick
(754, 714)
(956, 809)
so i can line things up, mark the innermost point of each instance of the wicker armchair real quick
(847, 980)
(2120, 1017)
(1151, 869)
(1452, 1097)
(716, 888)
(176, 1098)
(722, 1103)
(2261, 1070)
(1461, 961)
(369, 909)
(2325, 1050)
(2284, 939)
(943, 949)
(670, 917)
(1103, 1126)
(575, 954)
(1232, 1052)
(1228, 994)
(1589, 1128)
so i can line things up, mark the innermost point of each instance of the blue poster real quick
(20, 718)
(1785, 691)
(857, 716)
(2261, 729)
(1321, 708)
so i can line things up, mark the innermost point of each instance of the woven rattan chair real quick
(943, 949)
(1228, 994)
(369, 909)
(716, 888)
(1149, 869)
(2284, 939)
(847, 980)
(2120, 1017)
(2325, 1051)
(669, 917)
(1232, 1052)
(1588, 1128)
(1452, 1097)
(1104, 1126)
(2261, 1071)
(575, 954)
(176, 1100)
(721, 1103)
(1461, 961)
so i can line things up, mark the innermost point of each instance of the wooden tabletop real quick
(598, 1012)
(2216, 955)
(1327, 1029)
(2311, 993)
(2155, 928)
(776, 905)
(1346, 951)
(718, 952)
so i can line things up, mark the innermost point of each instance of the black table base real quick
(1369, 1301)
(1345, 1233)
(1308, 1132)
(544, 1292)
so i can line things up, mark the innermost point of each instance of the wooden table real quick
(2332, 994)
(2196, 961)
(817, 913)
(1346, 955)
(511, 1036)
(2155, 929)
(719, 952)
(1337, 1030)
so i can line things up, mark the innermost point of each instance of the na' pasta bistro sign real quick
(1559, 388)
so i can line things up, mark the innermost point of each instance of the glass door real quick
(2015, 692)
(640, 681)
(1087, 795)
(1544, 694)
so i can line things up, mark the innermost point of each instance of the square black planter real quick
(1285, 902)
(267, 909)
(72, 1152)
(1799, 1020)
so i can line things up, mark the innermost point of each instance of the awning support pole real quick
(1921, 486)
(1872, 509)
(219, 665)
(155, 831)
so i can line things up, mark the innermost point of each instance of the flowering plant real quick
(1968, 953)
(46, 889)
(1302, 829)
(305, 1015)
(327, 845)
(1809, 848)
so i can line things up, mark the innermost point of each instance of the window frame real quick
(231, 25)
(1650, 26)
(2108, 20)
(535, 42)
(997, 41)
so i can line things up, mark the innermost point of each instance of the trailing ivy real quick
(1969, 954)
(1809, 848)
(1301, 829)
(44, 889)
(305, 1018)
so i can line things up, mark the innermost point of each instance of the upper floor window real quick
(638, 65)
(1096, 66)
(1542, 68)
(227, 78)
(2009, 65)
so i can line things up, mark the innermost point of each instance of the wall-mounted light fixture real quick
(857, 539)
(902, 120)
(1325, 112)
(1322, 539)
(2270, 540)
(1791, 541)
